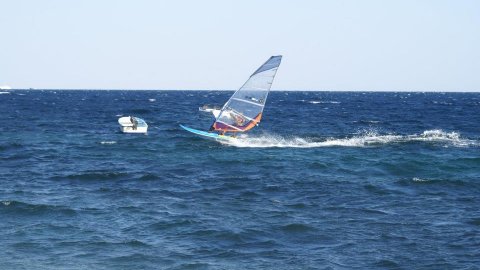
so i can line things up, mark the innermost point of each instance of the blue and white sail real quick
(244, 109)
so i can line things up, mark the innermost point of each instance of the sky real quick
(337, 45)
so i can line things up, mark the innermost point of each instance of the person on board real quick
(134, 122)
(239, 120)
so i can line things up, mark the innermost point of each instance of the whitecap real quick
(417, 179)
(367, 121)
(438, 135)
(446, 223)
(323, 102)
(108, 142)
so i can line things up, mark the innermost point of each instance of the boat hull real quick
(131, 130)
(127, 126)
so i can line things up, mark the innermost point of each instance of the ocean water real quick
(329, 180)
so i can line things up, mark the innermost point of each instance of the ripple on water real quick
(176, 224)
(297, 228)
(474, 221)
(149, 177)
(15, 208)
(371, 183)
(417, 181)
(385, 263)
(94, 176)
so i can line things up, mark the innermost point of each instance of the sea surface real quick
(328, 180)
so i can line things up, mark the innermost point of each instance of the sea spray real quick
(363, 139)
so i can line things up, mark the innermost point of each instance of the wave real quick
(418, 179)
(437, 135)
(94, 175)
(297, 227)
(369, 138)
(435, 181)
(18, 207)
(140, 111)
(367, 121)
(10, 145)
(323, 102)
(320, 101)
(108, 142)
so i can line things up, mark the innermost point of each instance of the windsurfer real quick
(239, 120)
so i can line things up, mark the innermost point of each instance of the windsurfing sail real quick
(244, 109)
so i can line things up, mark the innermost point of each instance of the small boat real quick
(215, 110)
(132, 124)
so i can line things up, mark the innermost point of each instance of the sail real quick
(244, 109)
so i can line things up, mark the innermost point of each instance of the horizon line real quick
(273, 90)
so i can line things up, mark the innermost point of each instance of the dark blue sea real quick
(328, 180)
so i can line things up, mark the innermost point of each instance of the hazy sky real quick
(209, 44)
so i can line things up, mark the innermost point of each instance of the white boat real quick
(215, 110)
(132, 124)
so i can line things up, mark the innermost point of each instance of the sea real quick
(328, 180)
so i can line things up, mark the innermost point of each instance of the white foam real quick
(438, 135)
(367, 121)
(151, 99)
(4, 92)
(323, 102)
(417, 179)
(108, 142)
(364, 139)
(297, 142)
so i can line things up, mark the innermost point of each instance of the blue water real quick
(329, 180)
